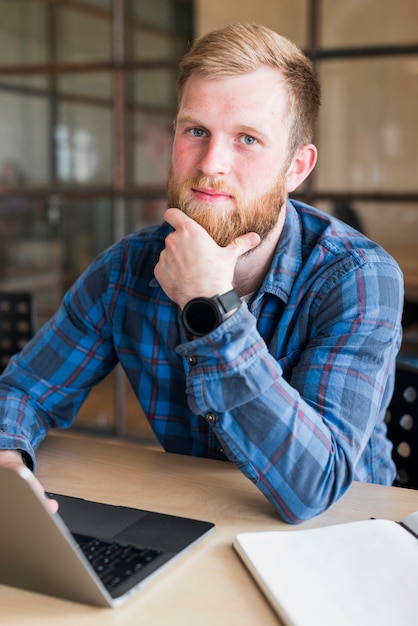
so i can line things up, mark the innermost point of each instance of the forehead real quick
(260, 96)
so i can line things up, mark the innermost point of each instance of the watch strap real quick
(228, 301)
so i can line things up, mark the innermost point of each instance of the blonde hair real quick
(243, 48)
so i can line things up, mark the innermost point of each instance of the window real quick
(87, 99)
(366, 54)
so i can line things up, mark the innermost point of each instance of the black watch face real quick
(201, 317)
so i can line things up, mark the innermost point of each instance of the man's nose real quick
(216, 158)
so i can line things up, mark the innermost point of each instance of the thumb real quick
(245, 243)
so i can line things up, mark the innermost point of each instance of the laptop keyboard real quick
(115, 562)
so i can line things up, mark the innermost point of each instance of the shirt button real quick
(220, 450)
(211, 418)
(191, 360)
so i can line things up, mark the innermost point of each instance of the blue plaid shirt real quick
(292, 388)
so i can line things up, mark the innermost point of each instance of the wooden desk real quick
(207, 586)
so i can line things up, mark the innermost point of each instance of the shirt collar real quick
(287, 260)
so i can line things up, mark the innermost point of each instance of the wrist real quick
(11, 457)
(203, 292)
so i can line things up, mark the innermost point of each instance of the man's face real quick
(229, 162)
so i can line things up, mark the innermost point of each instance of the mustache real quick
(210, 182)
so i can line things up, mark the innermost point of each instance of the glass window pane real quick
(87, 84)
(163, 14)
(368, 22)
(368, 135)
(157, 45)
(74, 34)
(145, 212)
(36, 84)
(155, 88)
(152, 148)
(83, 139)
(86, 228)
(45, 244)
(31, 251)
(155, 100)
(24, 130)
(101, 4)
(22, 32)
(287, 17)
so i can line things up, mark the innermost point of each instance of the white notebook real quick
(362, 573)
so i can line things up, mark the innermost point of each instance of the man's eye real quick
(248, 140)
(197, 132)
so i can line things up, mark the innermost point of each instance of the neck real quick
(252, 267)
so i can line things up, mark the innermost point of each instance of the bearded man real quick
(253, 328)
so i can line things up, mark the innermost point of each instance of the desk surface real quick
(208, 585)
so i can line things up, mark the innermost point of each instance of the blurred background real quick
(87, 100)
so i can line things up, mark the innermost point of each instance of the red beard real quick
(259, 216)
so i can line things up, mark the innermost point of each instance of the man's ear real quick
(301, 166)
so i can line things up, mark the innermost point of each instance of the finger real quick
(179, 220)
(245, 243)
(50, 502)
(176, 217)
(52, 505)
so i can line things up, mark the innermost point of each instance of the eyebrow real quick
(187, 119)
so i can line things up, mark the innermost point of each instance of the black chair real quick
(348, 214)
(17, 323)
(402, 424)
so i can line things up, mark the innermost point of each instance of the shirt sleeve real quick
(45, 384)
(297, 423)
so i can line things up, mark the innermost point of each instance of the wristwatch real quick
(201, 316)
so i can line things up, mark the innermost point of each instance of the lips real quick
(209, 195)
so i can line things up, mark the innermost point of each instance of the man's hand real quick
(13, 459)
(193, 265)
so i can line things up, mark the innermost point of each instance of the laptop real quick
(88, 552)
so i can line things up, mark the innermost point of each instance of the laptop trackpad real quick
(166, 532)
(95, 519)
